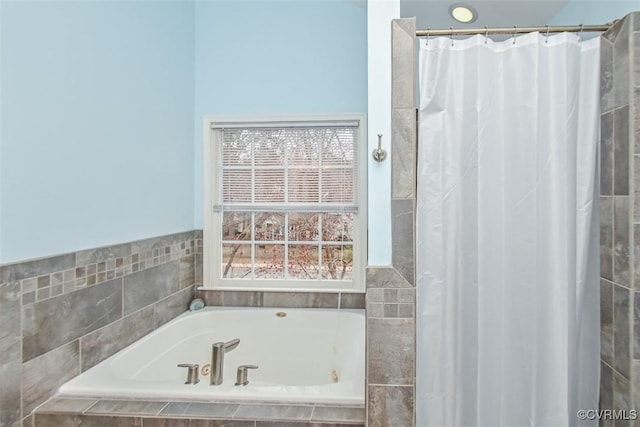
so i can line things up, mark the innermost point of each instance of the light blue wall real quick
(593, 12)
(97, 124)
(277, 58)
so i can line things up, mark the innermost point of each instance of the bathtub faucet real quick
(217, 359)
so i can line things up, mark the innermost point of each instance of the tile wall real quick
(61, 315)
(390, 296)
(620, 218)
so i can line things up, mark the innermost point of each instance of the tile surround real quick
(346, 300)
(60, 411)
(94, 309)
(390, 296)
(61, 315)
(620, 217)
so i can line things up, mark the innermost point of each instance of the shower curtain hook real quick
(486, 34)
(451, 35)
(428, 31)
(515, 30)
(580, 33)
(546, 41)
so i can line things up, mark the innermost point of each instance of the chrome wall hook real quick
(378, 153)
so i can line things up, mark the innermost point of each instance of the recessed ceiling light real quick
(463, 13)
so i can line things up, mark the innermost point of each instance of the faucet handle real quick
(192, 373)
(242, 375)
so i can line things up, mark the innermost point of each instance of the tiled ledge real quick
(60, 411)
(347, 300)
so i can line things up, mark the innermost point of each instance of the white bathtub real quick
(309, 355)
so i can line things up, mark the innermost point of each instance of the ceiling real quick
(434, 14)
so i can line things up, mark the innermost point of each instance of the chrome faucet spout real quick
(217, 359)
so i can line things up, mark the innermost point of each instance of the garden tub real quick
(303, 355)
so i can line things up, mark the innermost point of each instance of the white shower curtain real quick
(507, 232)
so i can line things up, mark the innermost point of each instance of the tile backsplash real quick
(63, 314)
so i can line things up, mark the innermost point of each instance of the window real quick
(285, 206)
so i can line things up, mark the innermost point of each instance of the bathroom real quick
(115, 248)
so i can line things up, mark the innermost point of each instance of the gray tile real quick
(200, 409)
(376, 295)
(635, 385)
(606, 393)
(333, 413)
(305, 424)
(621, 159)
(622, 64)
(406, 311)
(391, 351)
(390, 406)
(403, 63)
(606, 321)
(187, 271)
(636, 120)
(636, 325)
(274, 412)
(126, 407)
(36, 267)
(145, 245)
(42, 376)
(172, 422)
(115, 336)
(606, 237)
(621, 394)
(64, 404)
(352, 300)
(59, 320)
(232, 298)
(621, 241)
(173, 305)
(64, 420)
(10, 326)
(402, 236)
(606, 154)
(636, 191)
(375, 310)
(11, 392)
(105, 253)
(300, 299)
(385, 277)
(403, 160)
(390, 311)
(606, 386)
(606, 75)
(198, 267)
(407, 295)
(150, 286)
(621, 330)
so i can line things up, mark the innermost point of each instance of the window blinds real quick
(309, 168)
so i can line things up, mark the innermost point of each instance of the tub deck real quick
(64, 410)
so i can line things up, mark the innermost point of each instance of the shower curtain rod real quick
(513, 30)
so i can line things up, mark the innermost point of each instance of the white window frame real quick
(212, 233)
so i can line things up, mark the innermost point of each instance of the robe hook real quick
(378, 153)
